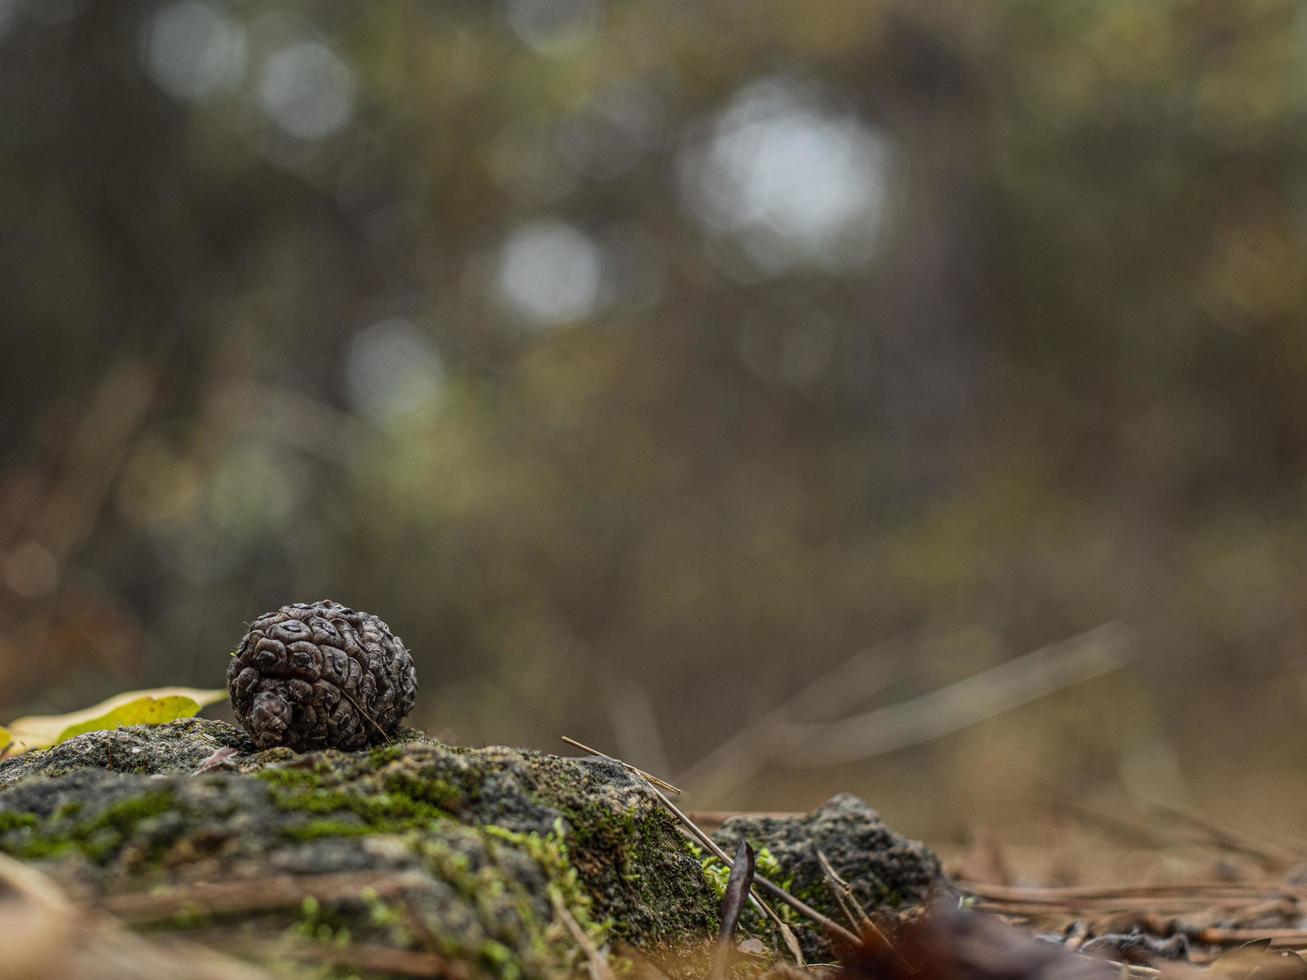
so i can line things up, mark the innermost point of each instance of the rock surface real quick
(886, 872)
(490, 861)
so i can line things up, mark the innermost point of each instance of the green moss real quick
(319, 923)
(499, 959)
(391, 808)
(327, 828)
(440, 793)
(97, 838)
(123, 816)
(191, 916)
(550, 853)
(41, 849)
(752, 921)
(520, 935)
(290, 777)
(392, 918)
(9, 820)
(385, 754)
(380, 812)
(523, 934)
(649, 857)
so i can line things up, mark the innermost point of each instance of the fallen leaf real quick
(218, 758)
(151, 707)
(143, 711)
(737, 892)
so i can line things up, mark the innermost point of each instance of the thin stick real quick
(1206, 890)
(699, 835)
(857, 915)
(1271, 852)
(1122, 827)
(715, 818)
(599, 968)
(758, 880)
(756, 746)
(855, 912)
(965, 703)
(1277, 937)
(1238, 841)
(359, 708)
(279, 891)
(806, 910)
(635, 769)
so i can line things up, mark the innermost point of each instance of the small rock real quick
(887, 872)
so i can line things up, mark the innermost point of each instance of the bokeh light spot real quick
(392, 370)
(307, 90)
(191, 49)
(551, 273)
(30, 570)
(794, 181)
(553, 26)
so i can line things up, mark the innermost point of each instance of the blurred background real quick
(692, 379)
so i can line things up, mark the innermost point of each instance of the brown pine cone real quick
(321, 676)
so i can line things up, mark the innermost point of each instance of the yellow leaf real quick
(151, 707)
(142, 711)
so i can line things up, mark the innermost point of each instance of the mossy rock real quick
(468, 854)
(492, 861)
(888, 874)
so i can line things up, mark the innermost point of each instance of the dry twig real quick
(787, 934)
(249, 895)
(753, 748)
(599, 968)
(968, 702)
(843, 892)
(648, 777)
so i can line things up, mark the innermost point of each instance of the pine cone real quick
(321, 676)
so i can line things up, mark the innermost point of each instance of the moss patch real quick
(26, 835)
(377, 810)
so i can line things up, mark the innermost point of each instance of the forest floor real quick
(1174, 894)
(179, 851)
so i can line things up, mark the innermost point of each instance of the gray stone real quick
(887, 873)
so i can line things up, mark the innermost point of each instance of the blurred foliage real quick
(637, 360)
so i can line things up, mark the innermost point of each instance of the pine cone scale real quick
(321, 674)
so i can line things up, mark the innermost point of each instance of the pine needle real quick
(648, 777)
